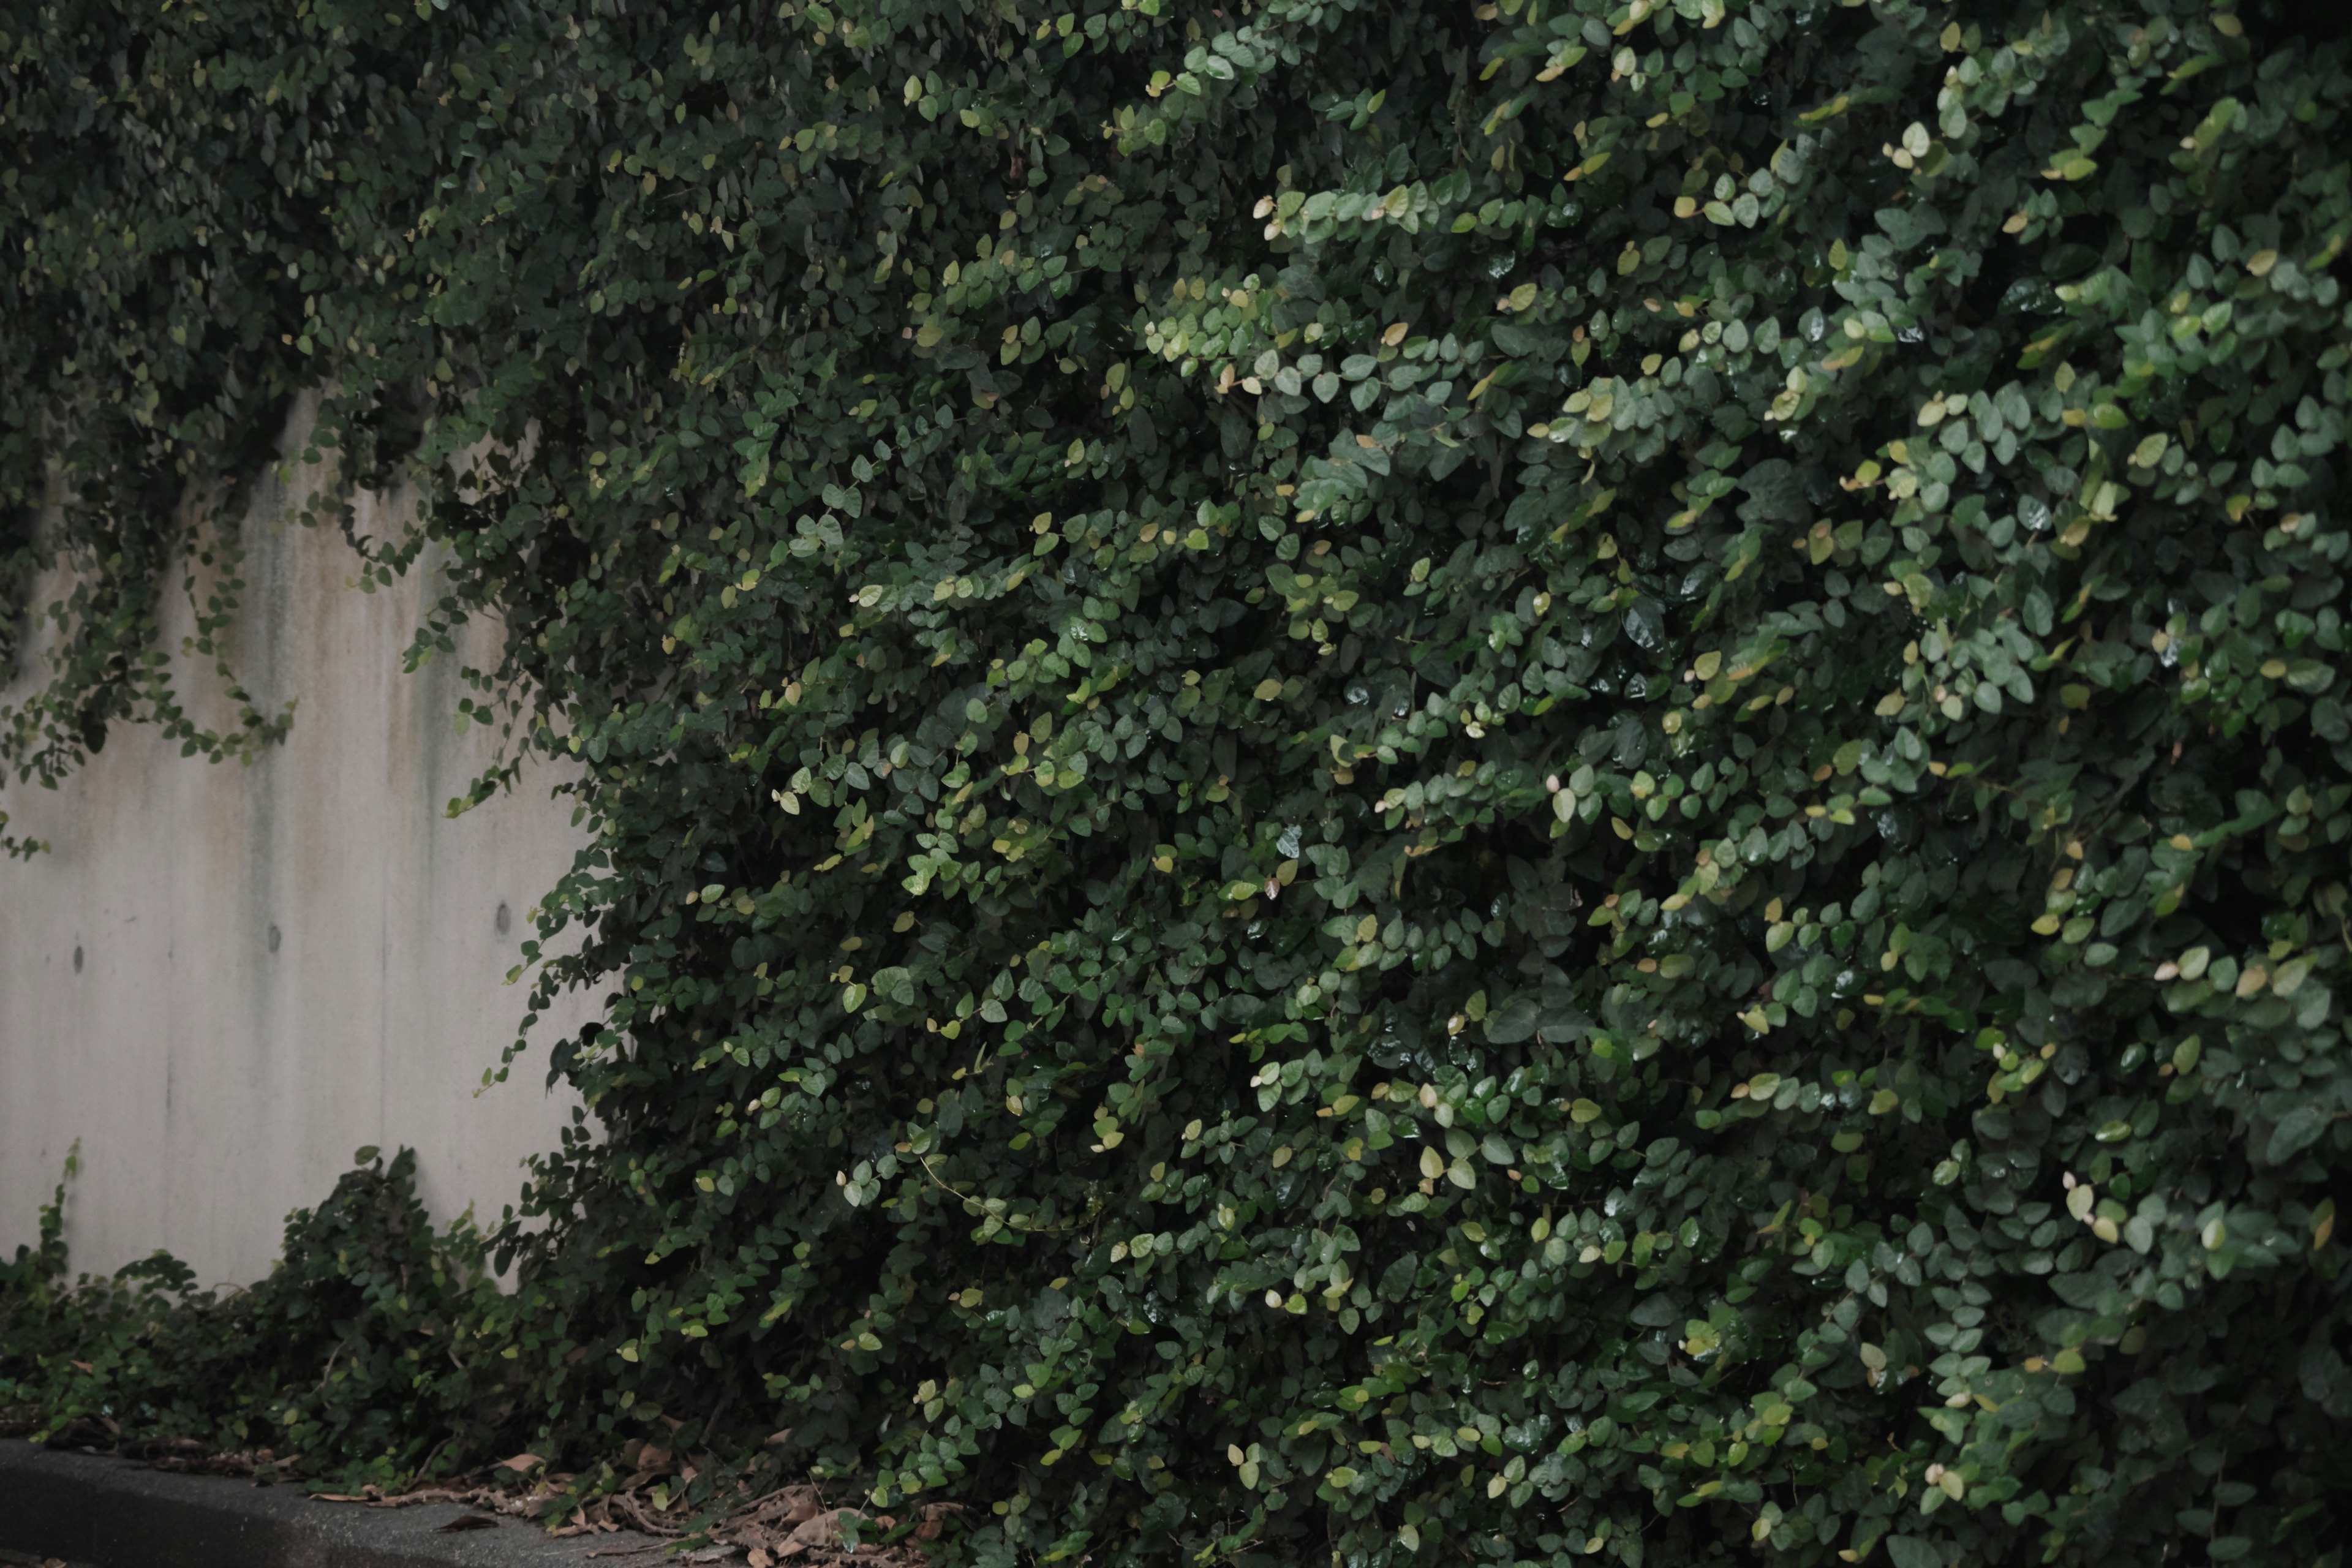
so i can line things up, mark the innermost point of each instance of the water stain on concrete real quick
(291, 965)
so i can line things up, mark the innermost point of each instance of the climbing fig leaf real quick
(1529, 781)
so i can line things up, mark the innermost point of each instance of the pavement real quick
(86, 1510)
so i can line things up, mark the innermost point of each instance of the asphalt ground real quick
(84, 1510)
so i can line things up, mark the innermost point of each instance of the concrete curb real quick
(114, 1513)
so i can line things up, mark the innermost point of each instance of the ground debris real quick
(792, 1524)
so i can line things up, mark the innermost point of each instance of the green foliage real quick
(357, 1346)
(1554, 782)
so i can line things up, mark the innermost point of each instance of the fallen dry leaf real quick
(823, 1529)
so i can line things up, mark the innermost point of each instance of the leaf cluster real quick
(1541, 782)
(355, 1351)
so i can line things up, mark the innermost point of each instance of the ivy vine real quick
(1427, 784)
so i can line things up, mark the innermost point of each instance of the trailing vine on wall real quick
(1407, 783)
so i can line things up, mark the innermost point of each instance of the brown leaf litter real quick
(792, 1524)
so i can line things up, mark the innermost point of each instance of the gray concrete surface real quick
(113, 1514)
(224, 980)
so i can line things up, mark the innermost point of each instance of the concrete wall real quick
(223, 979)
